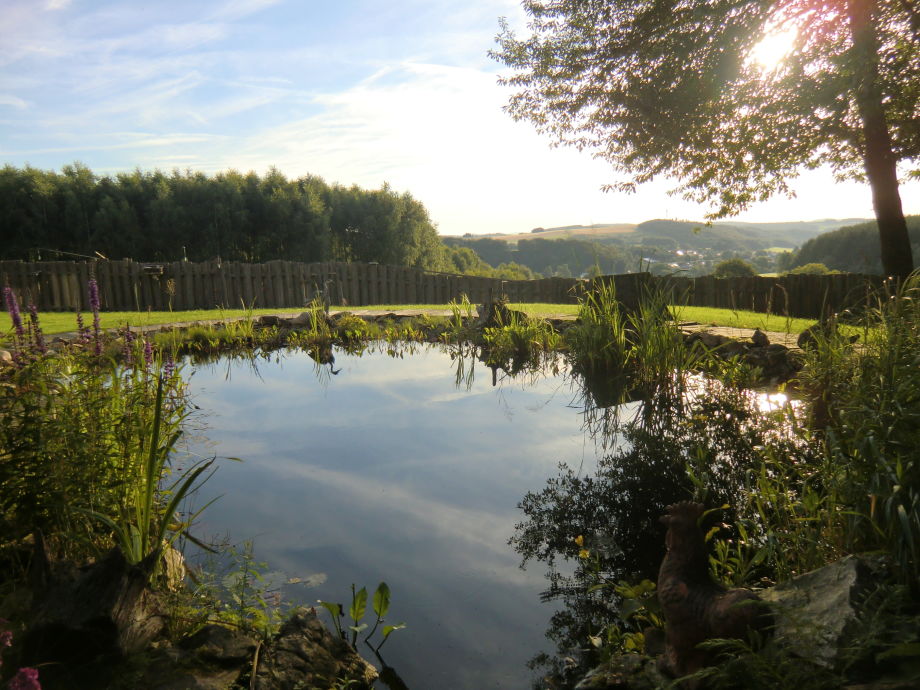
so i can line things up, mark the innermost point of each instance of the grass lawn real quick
(742, 319)
(61, 322)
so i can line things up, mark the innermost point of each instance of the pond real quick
(397, 469)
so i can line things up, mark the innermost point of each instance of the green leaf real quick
(387, 629)
(358, 605)
(335, 609)
(382, 600)
(358, 628)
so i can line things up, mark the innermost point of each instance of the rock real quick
(305, 654)
(302, 320)
(219, 646)
(211, 659)
(732, 348)
(814, 611)
(272, 320)
(496, 313)
(759, 338)
(707, 339)
(174, 570)
(105, 610)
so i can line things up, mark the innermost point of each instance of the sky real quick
(353, 91)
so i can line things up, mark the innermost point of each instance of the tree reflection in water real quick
(688, 438)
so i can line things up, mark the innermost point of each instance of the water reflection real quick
(387, 470)
(419, 464)
(690, 437)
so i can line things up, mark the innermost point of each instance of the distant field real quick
(61, 322)
(594, 232)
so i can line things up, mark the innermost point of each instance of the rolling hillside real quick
(727, 235)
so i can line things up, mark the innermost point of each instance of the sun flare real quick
(772, 49)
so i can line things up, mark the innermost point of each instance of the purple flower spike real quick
(94, 305)
(25, 679)
(38, 338)
(148, 353)
(12, 306)
(170, 367)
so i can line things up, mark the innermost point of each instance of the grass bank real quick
(63, 322)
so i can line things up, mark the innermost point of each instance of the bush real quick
(733, 268)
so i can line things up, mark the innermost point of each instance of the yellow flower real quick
(580, 540)
(584, 553)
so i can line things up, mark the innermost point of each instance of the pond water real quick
(385, 468)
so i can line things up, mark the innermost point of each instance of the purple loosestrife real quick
(12, 306)
(94, 305)
(38, 338)
(82, 330)
(148, 353)
(170, 367)
(25, 679)
(128, 350)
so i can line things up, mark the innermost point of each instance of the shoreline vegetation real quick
(89, 429)
(54, 323)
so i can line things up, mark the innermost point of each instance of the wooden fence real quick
(803, 296)
(130, 286)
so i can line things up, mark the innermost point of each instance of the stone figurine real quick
(696, 608)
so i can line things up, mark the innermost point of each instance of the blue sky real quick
(356, 92)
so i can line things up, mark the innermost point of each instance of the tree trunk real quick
(878, 157)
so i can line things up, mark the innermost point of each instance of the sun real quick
(772, 49)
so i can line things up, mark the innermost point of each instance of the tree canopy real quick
(242, 217)
(669, 87)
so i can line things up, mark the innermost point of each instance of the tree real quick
(670, 87)
(733, 268)
(813, 269)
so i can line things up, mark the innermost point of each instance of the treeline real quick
(242, 217)
(561, 257)
(853, 249)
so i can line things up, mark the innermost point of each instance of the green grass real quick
(743, 319)
(61, 322)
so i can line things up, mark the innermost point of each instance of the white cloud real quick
(14, 101)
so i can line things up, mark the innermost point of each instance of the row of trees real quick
(242, 217)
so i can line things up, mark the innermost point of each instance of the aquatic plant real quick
(356, 611)
(146, 521)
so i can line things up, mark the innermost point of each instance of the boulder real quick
(272, 320)
(707, 339)
(814, 611)
(105, 609)
(305, 654)
(759, 338)
(211, 659)
(303, 320)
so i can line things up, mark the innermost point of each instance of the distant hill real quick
(597, 231)
(687, 234)
(853, 249)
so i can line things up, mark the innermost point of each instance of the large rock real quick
(211, 659)
(305, 654)
(106, 610)
(815, 611)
